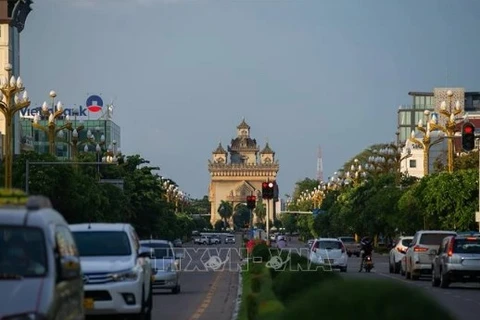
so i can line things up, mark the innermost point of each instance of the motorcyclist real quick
(366, 249)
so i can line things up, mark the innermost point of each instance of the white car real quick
(165, 264)
(117, 274)
(330, 253)
(397, 253)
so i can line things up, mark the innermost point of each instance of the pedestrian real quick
(281, 242)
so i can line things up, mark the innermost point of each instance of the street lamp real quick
(449, 128)
(51, 128)
(426, 142)
(355, 174)
(112, 154)
(13, 98)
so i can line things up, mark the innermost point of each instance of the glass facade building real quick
(37, 140)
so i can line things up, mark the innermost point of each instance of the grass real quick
(269, 305)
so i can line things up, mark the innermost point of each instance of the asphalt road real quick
(463, 300)
(209, 286)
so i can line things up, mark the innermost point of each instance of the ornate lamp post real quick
(112, 154)
(51, 128)
(449, 128)
(13, 98)
(425, 143)
(355, 174)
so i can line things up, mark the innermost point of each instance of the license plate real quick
(88, 303)
(328, 260)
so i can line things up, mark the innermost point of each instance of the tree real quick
(241, 218)
(225, 211)
(260, 211)
(289, 222)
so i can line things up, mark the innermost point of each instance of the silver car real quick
(165, 264)
(457, 260)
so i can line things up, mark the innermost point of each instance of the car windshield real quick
(432, 239)
(162, 250)
(347, 240)
(468, 246)
(329, 245)
(22, 252)
(406, 242)
(102, 243)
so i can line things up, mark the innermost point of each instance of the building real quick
(240, 171)
(13, 16)
(37, 140)
(409, 116)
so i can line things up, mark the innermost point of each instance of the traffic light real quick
(251, 202)
(268, 190)
(468, 136)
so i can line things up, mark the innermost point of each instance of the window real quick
(412, 163)
(347, 240)
(406, 242)
(328, 245)
(102, 243)
(468, 246)
(162, 250)
(433, 238)
(23, 252)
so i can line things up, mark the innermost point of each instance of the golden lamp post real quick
(51, 128)
(355, 174)
(112, 154)
(13, 98)
(450, 112)
(426, 142)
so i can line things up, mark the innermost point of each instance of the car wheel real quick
(435, 280)
(444, 283)
(349, 255)
(176, 290)
(344, 269)
(390, 267)
(397, 267)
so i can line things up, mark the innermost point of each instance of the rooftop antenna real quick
(319, 165)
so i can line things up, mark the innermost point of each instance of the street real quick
(208, 286)
(463, 300)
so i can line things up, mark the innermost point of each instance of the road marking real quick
(208, 298)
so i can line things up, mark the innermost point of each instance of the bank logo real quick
(94, 103)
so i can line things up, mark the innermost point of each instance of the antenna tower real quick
(319, 165)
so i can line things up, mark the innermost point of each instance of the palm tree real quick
(260, 211)
(225, 211)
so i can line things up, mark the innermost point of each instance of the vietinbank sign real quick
(94, 104)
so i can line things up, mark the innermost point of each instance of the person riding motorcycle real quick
(366, 249)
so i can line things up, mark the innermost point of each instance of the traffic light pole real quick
(251, 225)
(267, 226)
(477, 215)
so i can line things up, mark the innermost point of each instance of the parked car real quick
(422, 250)
(397, 253)
(310, 243)
(165, 264)
(330, 253)
(215, 239)
(352, 247)
(457, 260)
(40, 272)
(202, 240)
(117, 273)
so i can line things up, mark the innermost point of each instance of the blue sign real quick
(94, 103)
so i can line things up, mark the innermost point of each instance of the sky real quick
(303, 73)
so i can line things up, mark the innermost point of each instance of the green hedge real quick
(364, 300)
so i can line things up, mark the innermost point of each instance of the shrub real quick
(256, 268)
(252, 307)
(364, 299)
(289, 284)
(256, 283)
(261, 250)
(270, 310)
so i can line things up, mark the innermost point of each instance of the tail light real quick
(368, 258)
(401, 250)
(450, 247)
(418, 248)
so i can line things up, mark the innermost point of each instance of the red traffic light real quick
(265, 185)
(468, 129)
(251, 198)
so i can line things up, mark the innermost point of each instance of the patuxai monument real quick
(239, 171)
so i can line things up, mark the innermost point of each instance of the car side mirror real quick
(179, 255)
(146, 253)
(69, 268)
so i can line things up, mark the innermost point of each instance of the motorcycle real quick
(368, 263)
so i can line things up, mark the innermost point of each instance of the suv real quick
(421, 251)
(202, 240)
(40, 270)
(165, 264)
(352, 247)
(117, 271)
(230, 239)
(457, 260)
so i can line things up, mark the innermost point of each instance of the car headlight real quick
(25, 316)
(129, 275)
